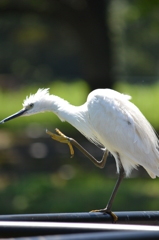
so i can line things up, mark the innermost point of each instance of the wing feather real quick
(120, 126)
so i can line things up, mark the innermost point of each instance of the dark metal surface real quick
(64, 226)
(140, 217)
(131, 235)
(18, 229)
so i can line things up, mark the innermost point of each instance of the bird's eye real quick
(30, 106)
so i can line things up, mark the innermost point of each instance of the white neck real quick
(67, 112)
(77, 116)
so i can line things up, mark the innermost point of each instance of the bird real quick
(110, 121)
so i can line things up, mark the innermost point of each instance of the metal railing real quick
(130, 225)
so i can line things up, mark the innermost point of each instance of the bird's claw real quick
(60, 137)
(114, 217)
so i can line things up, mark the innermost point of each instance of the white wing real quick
(121, 127)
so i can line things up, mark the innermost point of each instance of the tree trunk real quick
(96, 53)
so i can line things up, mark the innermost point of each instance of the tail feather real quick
(152, 175)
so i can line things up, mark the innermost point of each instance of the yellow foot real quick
(60, 137)
(115, 218)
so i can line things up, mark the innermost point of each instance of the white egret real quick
(110, 121)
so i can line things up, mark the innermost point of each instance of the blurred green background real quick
(72, 47)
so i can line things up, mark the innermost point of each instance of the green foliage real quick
(135, 27)
(86, 191)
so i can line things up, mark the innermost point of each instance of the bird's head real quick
(33, 104)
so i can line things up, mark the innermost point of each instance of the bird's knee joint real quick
(71, 140)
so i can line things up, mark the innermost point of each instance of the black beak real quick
(18, 114)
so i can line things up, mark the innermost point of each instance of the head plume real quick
(40, 94)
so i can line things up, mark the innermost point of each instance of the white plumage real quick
(121, 128)
(107, 119)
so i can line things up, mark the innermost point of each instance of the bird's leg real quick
(70, 141)
(97, 163)
(108, 208)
